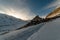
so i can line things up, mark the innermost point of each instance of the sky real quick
(28, 9)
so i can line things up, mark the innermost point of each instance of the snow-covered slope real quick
(22, 34)
(43, 31)
(50, 31)
(8, 23)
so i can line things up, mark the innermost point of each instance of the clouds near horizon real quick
(25, 9)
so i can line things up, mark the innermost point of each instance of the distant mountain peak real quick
(36, 18)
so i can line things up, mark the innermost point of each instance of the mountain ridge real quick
(55, 12)
(9, 23)
(37, 20)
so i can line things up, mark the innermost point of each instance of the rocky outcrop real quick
(36, 20)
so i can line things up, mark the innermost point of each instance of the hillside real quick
(37, 29)
(54, 13)
(43, 31)
(36, 20)
(49, 31)
(9, 23)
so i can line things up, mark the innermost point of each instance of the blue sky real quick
(27, 9)
(38, 6)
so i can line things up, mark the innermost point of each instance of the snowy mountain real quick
(37, 29)
(42, 31)
(49, 31)
(9, 23)
(36, 20)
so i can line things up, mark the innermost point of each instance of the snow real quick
(9, 23)
(50, 31)
(43, 31)
(22, 34)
